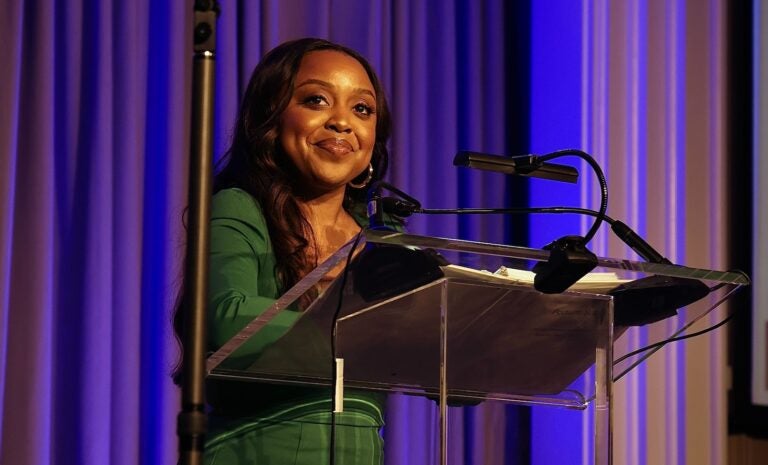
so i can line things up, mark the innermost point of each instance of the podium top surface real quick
(623, 267)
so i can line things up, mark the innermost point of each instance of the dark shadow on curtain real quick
(517, 16)
(517, 44)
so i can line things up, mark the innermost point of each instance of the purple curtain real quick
(94, 132)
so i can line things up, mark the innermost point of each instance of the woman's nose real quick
(339, 122)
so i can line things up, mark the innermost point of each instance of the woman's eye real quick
(316, 100)
(364, 109)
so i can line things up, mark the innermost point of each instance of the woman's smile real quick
(335, 146)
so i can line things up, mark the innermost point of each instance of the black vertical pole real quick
(192, 420)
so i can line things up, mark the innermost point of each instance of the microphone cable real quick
(600, 178)
(658, 345)
(334, 365)
(676, 338)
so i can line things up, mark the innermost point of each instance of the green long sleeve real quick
(242, 280)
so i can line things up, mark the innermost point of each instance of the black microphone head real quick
(398, 207)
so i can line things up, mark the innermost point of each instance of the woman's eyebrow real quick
(327, 84)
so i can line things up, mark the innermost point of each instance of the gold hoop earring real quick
(365, 182)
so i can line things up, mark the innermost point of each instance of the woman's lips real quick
(335, 146)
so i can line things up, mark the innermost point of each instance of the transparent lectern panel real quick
(283, 343)
(505, 340)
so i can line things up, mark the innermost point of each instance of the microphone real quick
(379, 206)
(375, 208)
(526, 165)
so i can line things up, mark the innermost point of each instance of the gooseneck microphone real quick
(569, 259)
(637, 303)
(539, 166)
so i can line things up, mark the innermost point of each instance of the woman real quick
(310, 136)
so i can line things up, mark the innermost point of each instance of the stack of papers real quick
(592, 282)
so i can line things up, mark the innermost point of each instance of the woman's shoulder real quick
(237, 204)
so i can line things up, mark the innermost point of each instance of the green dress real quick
(256, 423)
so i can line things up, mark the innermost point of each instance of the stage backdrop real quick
(94, 133)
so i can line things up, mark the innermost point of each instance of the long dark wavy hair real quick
(255, 161)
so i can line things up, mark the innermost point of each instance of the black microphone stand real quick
(192, 420)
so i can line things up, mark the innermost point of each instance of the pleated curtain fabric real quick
(94, 133)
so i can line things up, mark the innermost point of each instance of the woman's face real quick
(329, 127)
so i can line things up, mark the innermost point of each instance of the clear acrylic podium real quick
(464, 335)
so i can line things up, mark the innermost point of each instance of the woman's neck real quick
(332, 226)
(325, 209)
